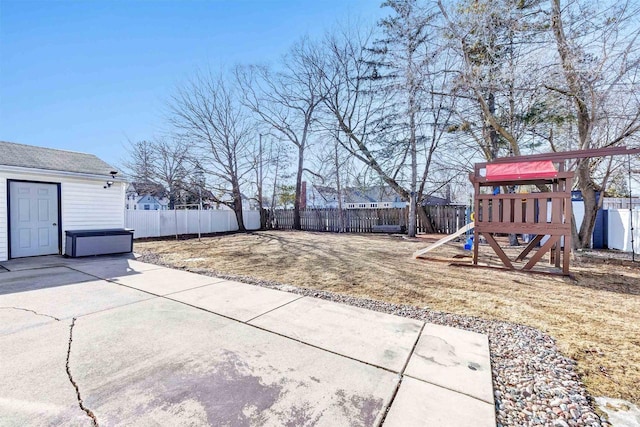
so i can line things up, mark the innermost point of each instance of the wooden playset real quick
(544, 212)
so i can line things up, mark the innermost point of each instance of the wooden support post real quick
(498, 250)
(478, 217)
(534, 259)
(567, 236)
(532, 244)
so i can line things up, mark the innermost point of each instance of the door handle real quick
(54, 224)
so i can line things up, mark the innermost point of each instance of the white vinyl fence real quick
(169, 223)
(619, 202)
(619, 229)
(164, 223)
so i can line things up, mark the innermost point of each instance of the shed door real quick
(33, 219)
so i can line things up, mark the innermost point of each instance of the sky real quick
(91, 75)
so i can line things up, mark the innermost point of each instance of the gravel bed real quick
(534, 385)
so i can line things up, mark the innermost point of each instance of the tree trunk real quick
(583, 238)
(425, 219)
(264, 218)
(339, 189)
(296, 204)
(411, 229)
(237, 206)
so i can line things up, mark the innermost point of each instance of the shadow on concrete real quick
(42, 278)
(29, 274)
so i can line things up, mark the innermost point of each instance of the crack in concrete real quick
(400, 378)
(30, 311)
(88, 411)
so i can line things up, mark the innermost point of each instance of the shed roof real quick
(29, 156)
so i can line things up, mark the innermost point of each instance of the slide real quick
(444, 240)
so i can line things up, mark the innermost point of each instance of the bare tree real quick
(389, 102)
(172, 166)
(270, 159)
(502, 65)
(286, 101)
(403, 55)
(335, 168)
(205, 112)
(599, 60)
(582, 96)
(278, 161)
(141, 161)
(159, 163)
(497, 43)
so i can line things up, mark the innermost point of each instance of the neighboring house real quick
(377, 196)
(324, 197)
(146, 196)
(321, 197)
(380, 196)
(45, 192)
(191, 198)
(150, 203)
(437, 201)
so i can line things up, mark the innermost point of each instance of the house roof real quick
(373, 194)
(29, 156)
(377, 193)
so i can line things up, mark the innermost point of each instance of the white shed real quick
(45, 192)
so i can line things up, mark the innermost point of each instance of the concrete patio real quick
(148, 345)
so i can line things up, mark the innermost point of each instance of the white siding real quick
(85, 203)
(4, 239)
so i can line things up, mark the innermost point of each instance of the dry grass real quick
(594, 318)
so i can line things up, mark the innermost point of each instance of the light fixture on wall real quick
(110, 183)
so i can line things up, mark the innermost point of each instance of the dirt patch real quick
(594, 317)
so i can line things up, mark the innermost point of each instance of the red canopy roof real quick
(542, 169)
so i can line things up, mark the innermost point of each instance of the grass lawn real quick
(594, 318)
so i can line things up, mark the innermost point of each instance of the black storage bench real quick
(80, 243)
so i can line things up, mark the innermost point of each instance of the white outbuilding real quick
(46, 192)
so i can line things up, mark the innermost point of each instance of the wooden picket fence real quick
(443, 219)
